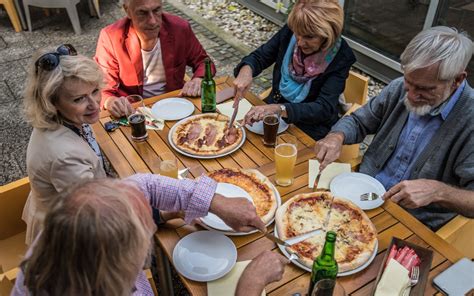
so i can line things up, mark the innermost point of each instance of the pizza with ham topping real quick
(206, 134)
(356, 234)
(256, 185)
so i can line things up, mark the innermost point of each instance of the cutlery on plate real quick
(369, 196)
(234, 115)
(415, 276)
(291, 241)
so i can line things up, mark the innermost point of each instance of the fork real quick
(415, 276)
(369, 196)
(294, 257)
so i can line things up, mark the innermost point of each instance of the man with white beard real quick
(423, 149)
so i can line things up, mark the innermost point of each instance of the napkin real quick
(225, 286)
(151, 121)
(394, 280)
(226, 109)
(331, 171)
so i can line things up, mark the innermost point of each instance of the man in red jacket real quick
(146, 53)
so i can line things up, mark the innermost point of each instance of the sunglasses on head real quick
(50, 61)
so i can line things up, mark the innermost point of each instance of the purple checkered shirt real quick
(191, 196)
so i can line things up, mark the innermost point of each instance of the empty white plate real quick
(229, 191)
(257, 127)
(352, 185)
(172, 109)
(204, 256)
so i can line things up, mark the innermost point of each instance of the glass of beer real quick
(137, 123)
(169, 165)
(285, 159)
(270, 129)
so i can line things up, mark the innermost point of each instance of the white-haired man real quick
(146, 53)
(423, 149)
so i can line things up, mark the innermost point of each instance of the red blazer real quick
(119, 55)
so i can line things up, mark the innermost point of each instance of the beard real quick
(418, 110)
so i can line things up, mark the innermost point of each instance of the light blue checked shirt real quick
(416, 134)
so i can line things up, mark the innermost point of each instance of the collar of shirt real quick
(445, 108)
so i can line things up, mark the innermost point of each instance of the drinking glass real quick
(270, 129)
(137, 123)
(285, 159)
(169, 165)
(328, 287)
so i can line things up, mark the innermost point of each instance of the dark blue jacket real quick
(319, 111)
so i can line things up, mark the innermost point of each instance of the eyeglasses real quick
(50, 61)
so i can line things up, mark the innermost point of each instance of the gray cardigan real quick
(449, 156)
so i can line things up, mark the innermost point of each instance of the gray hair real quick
(452, 49)
(42, 87)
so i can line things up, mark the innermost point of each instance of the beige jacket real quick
(55, 160)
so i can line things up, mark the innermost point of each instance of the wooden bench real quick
(459, 232)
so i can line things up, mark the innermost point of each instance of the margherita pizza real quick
(256, 185)
(206, 134)
(356, 234)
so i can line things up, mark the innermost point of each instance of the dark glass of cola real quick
(270, 129)
(137, 123)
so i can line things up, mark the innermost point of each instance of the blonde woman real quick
(61, 100)
(97, 237)
(312, 63)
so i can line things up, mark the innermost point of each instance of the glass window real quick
(384, 25)
(458, 14)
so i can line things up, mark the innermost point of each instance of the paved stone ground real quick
(16, 50)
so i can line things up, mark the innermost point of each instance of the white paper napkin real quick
(331, 171)
(394, 280)
(225, 286)
(151, 121)
(226, 109)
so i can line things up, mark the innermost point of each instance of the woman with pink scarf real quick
(312, 63)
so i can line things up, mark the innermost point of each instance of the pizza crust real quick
(219, 121)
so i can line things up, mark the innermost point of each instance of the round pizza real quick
(206, 134)
(256, 185)
(356, 234)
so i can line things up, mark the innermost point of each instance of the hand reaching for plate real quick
(239, 213)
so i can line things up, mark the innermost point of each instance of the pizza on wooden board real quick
(206, 134)
(356, 234)
(256, 185)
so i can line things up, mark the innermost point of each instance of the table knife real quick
(291, 241)
(328, 215)
(234, 115)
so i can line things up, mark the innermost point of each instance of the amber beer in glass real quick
(169, 165)
(208, 90)
(285, 159)
(270, 129)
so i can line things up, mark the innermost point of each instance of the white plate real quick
(346, 273)
(170, 140)
(172, 109)
(204, 256)
(257, 127)
(212, 219)
(352, 185)
(229, 191)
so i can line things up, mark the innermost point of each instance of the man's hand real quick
(266, 268)
(242, 83)
(329, 149)
(257, 113)
(118, 106)
(238, 213)
(192, 88)
(412, 194)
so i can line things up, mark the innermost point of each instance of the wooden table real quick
(128, 157)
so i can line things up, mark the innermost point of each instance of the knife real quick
(234, 115)
(291, 241)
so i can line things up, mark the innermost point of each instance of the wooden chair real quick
(12, 14)
(12, 230)
(459, 232)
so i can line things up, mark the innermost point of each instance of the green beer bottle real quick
(208, 90)
(324, 266)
